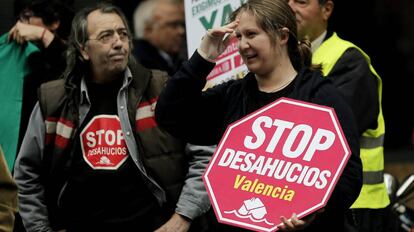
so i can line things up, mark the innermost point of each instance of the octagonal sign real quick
(103, 144)
(284, 158)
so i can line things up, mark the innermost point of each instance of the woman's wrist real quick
(205, 56)
(47, 37)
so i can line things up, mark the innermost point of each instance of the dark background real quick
(383, 29)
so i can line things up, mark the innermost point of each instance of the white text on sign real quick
(278, 169)
(321, 140)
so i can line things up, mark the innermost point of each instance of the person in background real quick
(350, 70)
(30, 55)
(8, 196)
(160, 34)
(93, 158)
(35, 17)
(279, 66)
(45, 23)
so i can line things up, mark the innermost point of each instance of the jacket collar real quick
(140, 77)
(139, 80)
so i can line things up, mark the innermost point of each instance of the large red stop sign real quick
(284, 158)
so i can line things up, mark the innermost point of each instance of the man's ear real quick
(84, 53)
(327, 9)
(149, 30)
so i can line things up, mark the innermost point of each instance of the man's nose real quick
(117, 40)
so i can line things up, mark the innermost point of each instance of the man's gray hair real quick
(143, 15)
(79, 37)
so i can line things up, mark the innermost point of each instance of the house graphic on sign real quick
(253, 207)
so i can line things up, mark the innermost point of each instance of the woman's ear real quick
(54, 26)
(284, 35)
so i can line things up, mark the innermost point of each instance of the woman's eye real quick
(251, 34)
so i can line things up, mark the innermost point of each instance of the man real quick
(93, 158)
(350, 70)
(8, 197)
(159, 29)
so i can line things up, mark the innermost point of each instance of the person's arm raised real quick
(216, 40)
(183, 109)
(23, 32)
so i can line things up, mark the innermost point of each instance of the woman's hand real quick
(294, 223)
(22, 32)
(215, 41)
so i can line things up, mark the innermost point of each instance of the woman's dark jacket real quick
(202, 117)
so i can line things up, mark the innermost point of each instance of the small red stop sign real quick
(103, 144)
(284, 158)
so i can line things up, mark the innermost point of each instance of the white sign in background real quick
(201, 15)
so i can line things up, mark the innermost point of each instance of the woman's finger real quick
(221, 31)
(296, 222)
(12, 34)
(228, 39)
(20, 39)
(287, 223)
(232, 25)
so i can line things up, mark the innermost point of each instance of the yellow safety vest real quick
(373, 193)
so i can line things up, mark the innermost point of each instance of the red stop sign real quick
(284, 158)
(103, 144)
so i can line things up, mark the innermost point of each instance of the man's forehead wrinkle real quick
(99, 22)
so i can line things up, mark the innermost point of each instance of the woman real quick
(279, 67)
(46, 23)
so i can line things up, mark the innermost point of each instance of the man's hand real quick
(214, 43)
(177, 223)
(294, 223)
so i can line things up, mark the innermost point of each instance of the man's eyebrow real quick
(105, 31)
(121, 29)
(112, 30)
